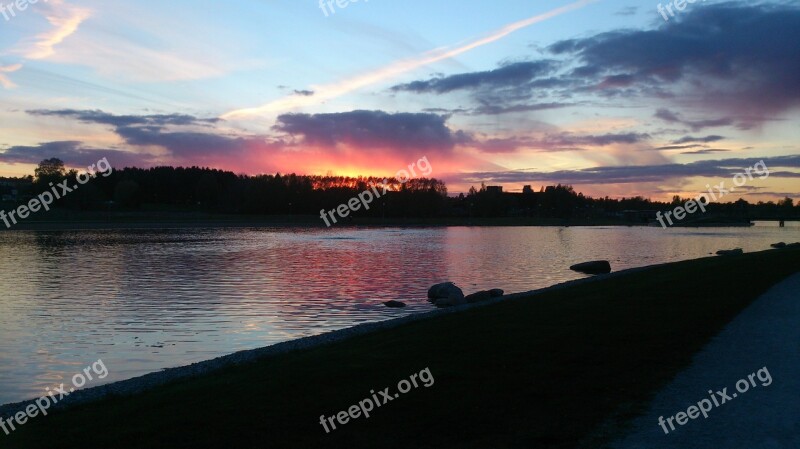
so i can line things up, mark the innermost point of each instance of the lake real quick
(146, 300)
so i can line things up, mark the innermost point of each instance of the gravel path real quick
(766, 334)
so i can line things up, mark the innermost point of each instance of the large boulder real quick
(483, 295)
(594, 267)
(496, 292)
(446, 294)
(444, 290)
(450, 301)
(779, 245)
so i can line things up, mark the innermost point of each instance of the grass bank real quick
(546, 371)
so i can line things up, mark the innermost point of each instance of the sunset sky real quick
(604, 95)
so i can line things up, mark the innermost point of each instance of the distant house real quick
(494, 189)
(527, 190)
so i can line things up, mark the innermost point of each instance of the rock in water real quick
(445, 290)
(594, 267)
(394, 304)
(452, 300)
(778, 245)
(479, 296)
(730, 252)
(496, 292)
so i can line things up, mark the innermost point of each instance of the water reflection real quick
(146, 300)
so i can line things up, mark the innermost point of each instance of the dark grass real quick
(547, 371)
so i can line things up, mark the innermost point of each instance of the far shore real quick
(71, 221)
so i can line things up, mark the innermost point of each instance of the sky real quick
(603, 95)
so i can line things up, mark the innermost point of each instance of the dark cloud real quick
(304, 93)
(721, 169)
(707, 151)
(373, 129)
(736, 55)
(104, 118)
(691, 139)
(514, 87)
(667, 116)
(159, 130)
(188, 144)
(519, 73)
(614, 81)
(498, 109)
(696, 125)
(73, 154)
(678, 147)
(557, 142)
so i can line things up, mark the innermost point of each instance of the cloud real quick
(74, 154)
(721, 169)
(700, 61)
(504, 90)
(707, 151)
(519, 73)
(65, 19)
(696, 125)
(692, 139)
(334, 90)
(372, 129)
(678, 147)
(498, 109)
(556, 142)
(705, 59)
(164, 130)
(105, 118)
(4, 80)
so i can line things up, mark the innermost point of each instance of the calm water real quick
(147, 300)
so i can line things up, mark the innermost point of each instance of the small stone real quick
(594, 267)
(394, 304)
(478, 296)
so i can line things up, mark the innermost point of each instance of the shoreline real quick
(139, 384)
(592, 351)
(151, 225)
(60, 220)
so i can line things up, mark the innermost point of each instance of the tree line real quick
(219, 191)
